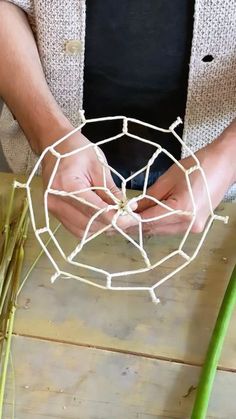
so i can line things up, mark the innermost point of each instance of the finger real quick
(77, 208)
(114, 194)
(167, 229)
(81, 197)
(90, 199)
(87, 202)
(62, 209)
(77, 222)
(80, 233)
(107, 217)
(77, 232)
(162, 216)
(159, 190)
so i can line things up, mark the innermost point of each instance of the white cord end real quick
(225, 219)
(17, 184)
(175, 123)
(54, 277)
(82, 116)
(154, 298)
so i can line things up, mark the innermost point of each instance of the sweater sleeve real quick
(26, 5)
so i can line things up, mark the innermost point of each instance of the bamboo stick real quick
(36, 261)
(7, 221)
(3, 377)
(10, 271)
(6, 359)
(7, 255)
(214, 350)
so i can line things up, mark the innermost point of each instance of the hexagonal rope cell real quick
(120, 207)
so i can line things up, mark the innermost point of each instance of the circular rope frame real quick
(120, 207)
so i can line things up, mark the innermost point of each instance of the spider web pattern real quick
(121, 208)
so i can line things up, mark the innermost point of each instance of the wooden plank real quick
(178, 328)
(54, 380)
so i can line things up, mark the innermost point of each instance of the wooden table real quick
(86, 353)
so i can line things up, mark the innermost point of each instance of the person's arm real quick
(22, 83)
(227, 145)
(24, 89)
(218, 160)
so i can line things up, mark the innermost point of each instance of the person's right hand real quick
(75, 173)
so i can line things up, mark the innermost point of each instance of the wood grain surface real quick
(86, 337)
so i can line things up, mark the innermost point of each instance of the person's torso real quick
(136, 64)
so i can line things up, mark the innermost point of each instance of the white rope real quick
(119, 207)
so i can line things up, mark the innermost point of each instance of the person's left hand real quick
(171, 188)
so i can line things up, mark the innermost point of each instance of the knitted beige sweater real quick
(211, 101)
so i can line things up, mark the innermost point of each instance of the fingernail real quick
(133, 205)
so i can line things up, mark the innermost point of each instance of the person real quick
(136, 56)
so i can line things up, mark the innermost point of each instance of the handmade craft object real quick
(121, 207)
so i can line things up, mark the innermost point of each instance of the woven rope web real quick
(121, 207)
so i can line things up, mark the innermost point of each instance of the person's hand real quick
(74, 174)
(171, 188)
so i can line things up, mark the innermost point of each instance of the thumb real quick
(116, 192)
(159, 190)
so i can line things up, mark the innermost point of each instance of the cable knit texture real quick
(211, 101)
